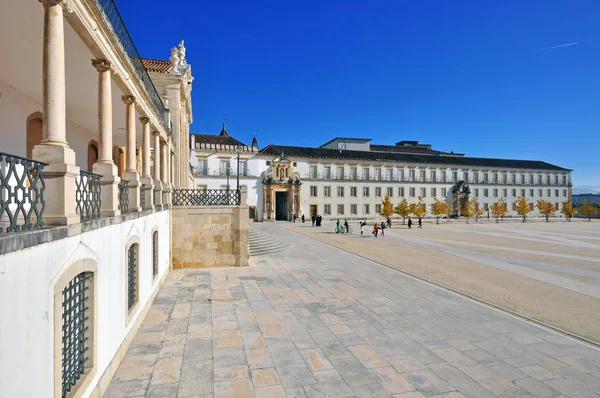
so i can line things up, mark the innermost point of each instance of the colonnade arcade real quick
(61, 172)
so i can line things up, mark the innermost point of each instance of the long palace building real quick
(349, 177)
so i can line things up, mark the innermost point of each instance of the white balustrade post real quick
(131, 174)
(146, 177)
(105, 166)
(61, 173)
(156, 164)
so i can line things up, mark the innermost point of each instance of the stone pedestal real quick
(109, 185)
(148, 191)
(166, 193)
(134, 189)
(158, 193)
(60, 178)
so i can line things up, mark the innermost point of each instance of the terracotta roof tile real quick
(156, 65)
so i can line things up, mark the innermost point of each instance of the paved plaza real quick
(546, 271)
(316, 321)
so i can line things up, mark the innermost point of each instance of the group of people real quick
(410, 223)
(316, 220)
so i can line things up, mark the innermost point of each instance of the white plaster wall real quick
(27, 279)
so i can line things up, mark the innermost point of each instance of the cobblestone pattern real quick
(318, 322)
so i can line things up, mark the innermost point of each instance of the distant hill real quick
(586, 189)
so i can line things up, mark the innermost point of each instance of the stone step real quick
(261, 243)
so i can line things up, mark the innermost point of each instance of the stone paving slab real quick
(315, 321)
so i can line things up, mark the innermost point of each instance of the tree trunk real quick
(467, 220)
(497, 220)
(437, 220)
(403, 221)
(524, 218)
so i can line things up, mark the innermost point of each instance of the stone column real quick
(61, 173)
(109, 194)
(146, 176)
(164, 175)
(157, 182)
(130, 174)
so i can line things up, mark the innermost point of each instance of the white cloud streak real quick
(559, 46)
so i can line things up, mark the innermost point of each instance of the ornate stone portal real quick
(460, 196)
(281, 190)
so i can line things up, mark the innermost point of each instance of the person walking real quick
(313, 220)
(389, 222)
(420, 223)
(375, 229)
(362, 228)
(303, 218)
(346, 225)
(337, 226)
(382, 229)
(409, 223)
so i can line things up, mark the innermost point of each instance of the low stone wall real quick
(206, 236)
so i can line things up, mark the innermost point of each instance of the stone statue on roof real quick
(181, 51)
(175, 61)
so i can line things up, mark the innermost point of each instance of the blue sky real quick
(470, 76)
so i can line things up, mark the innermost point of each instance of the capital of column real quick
(155, 133)
(128, 99)
(101, 65)
(67, 5)
(144, 120)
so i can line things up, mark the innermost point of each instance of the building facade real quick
(91, 146)
(349, 178)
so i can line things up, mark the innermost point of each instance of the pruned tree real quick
(449, 208)
(499, 209)
(477, 209)
(522, 207)
(438, 208)
(546, 208)
(588, 209)
(568, 210)
(418, 209)
(387, 209)
(468, 209)
(403, 210)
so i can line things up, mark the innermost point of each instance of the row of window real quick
(521, 192)
(353, 209)
(435, 175)
(412, 192)
(77, 318)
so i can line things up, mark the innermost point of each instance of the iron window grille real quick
(124, 196)
(206, 197)
(154, 253)
(87, 195)
(75, 325)
(132, 257)
(21, 193)
(143, 196)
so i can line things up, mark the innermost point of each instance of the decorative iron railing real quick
(87, 195)
(207, 172)
(21, 193)
(206, 197)
(124, 196)
(143, 196)
(113, 17)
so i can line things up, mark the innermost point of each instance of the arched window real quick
(154, 254)
(74, 328)
(35, 127)
(92, 155)
(132, 276)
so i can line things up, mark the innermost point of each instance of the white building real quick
(90, 151)
(349, 177)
